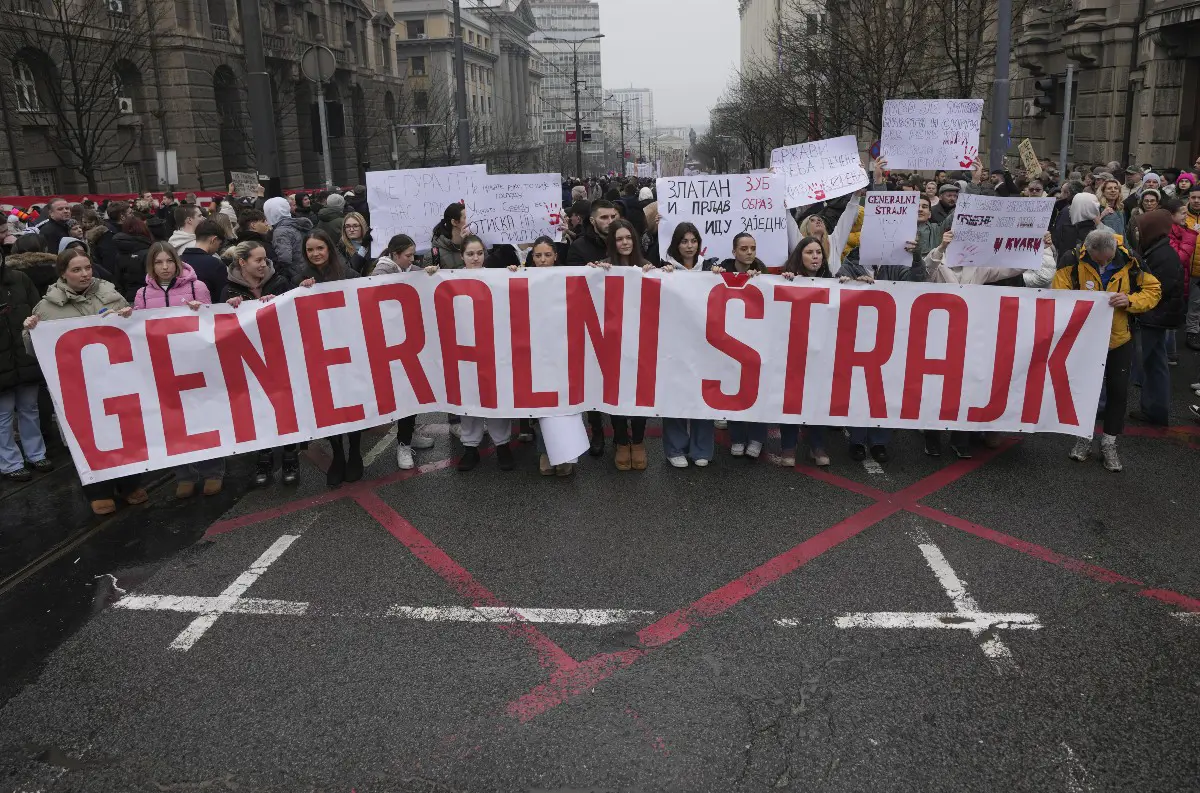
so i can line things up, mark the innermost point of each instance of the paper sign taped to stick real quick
(722, 207)
(514, 209)
(999, 232)
(412, 202)
(889, 221)
(819, 170)
(931, 134)
(245, 183)
(1029, 158)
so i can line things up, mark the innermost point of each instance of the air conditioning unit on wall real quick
(1029, 109)
(125, 105)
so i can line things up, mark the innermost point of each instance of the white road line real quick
(1077, 775)
(590, 617)
(873, 468)
(976, 622)
(1188, 616)
(195, 604)
(380, 447)
(224, 602)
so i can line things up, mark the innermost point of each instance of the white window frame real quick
(28, 100)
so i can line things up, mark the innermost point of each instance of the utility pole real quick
(1065, 140)
(622, 140)
(574, 44)
(258, 90)
(998, 141)
(460, 92)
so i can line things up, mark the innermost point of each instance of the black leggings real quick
(1116, 387)
(628, 429)
(405, 428)
(339, 453)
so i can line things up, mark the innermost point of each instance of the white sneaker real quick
(1108, 449)
(701, 463)
(421, 441)
(788, 462)
(1082, 450)
(678, 462)
(1195, 386)
(456, 430)
(738, 450)
(404, 457)
(754, 449)
(721, 424)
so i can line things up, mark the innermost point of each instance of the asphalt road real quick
(743, 643)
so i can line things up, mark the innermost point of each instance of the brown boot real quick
(639, 456)
(212, 486)
(137, 497)
(104, 506)
(624, 455)
(185, 490)
(544, 466)
(566, 469)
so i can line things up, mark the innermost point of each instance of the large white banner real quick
(513, 209)
(819, 170)
(173, 386)
(889, 221)
(412, 202)
(931, 134)
(990, 231)
(722, 207)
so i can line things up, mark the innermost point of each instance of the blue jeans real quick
(789, 437)
(23, 401)
(744, 432)
(870, 436)
(692, 438)
(197, 472)
(1156, 375)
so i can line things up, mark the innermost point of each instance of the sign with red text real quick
(931, 134)
(173, 386)
(721, 207)
(990, 231)
(819, 170)
(514, 209)
(889, 221)
(413, 201)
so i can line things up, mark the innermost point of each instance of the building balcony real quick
(281, 46)
(220, 33)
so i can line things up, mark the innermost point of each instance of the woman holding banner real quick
(807, 261)
(77, 293)
(252, 276)
(685, 439)
(1103, 264)
(747, 438)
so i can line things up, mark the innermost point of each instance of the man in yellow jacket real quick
(1103, 264)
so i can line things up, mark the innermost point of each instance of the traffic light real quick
(1045, 94)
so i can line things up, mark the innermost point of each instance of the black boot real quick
(337, 465)
(264, 467)
(596, 421)
(354, 461)
(469, 459)
(504, 457)
(291, 467)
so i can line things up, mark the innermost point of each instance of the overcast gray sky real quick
(683, 50)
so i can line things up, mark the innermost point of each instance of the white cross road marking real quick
(967, 614)
(590, 617)
(195, 604)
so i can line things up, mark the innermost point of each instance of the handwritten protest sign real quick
(513, 209)
(999, 232)
(889, 221)
(819, 170)
(722, 207)
(245, 183)
(1029, 158)
(931, 134)
(645, 170)
(412, 202)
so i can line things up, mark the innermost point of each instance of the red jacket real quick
(1183, 240)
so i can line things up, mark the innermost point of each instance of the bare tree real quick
(83, 56)
(964, 41)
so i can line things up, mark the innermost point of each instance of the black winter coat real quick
(130, 273)
(275, 285)
(586, 248)
(18, 296)
(1161, 261)
(38, 267)
(209, 269)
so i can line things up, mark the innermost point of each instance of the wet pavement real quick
(1011, 622)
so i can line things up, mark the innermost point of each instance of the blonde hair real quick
(239, 253)
(651, 211)
(806, 231)
(1100, 192)
(347, 243)
(224, 223)
(163, 247)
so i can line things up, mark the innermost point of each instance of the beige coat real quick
(61, 302)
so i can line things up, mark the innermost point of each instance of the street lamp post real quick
(574, 44)
(622, 103)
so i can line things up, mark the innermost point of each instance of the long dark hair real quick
(795, 264)
(335, 268)
(444, 228)
(635, 258)
(677, 237)
(399, 244)
(540, 241)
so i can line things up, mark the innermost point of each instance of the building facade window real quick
(415, 28)
(27, 93)
(42, 181)
(133, 178)
(418, 65)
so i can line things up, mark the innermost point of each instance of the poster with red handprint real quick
(931, 134)
(819, 170)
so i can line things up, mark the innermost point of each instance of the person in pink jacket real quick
(170, 283)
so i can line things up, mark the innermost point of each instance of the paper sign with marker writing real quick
(931, 134)
(722, 207)
(819, 170)
(999, 232)
(1029, 158)
(513, 209)
(412, 202)
(245, 183)
(889, 221)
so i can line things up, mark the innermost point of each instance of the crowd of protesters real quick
(1128, 231)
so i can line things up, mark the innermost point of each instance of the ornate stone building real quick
(179, 83)
(1137, 86)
